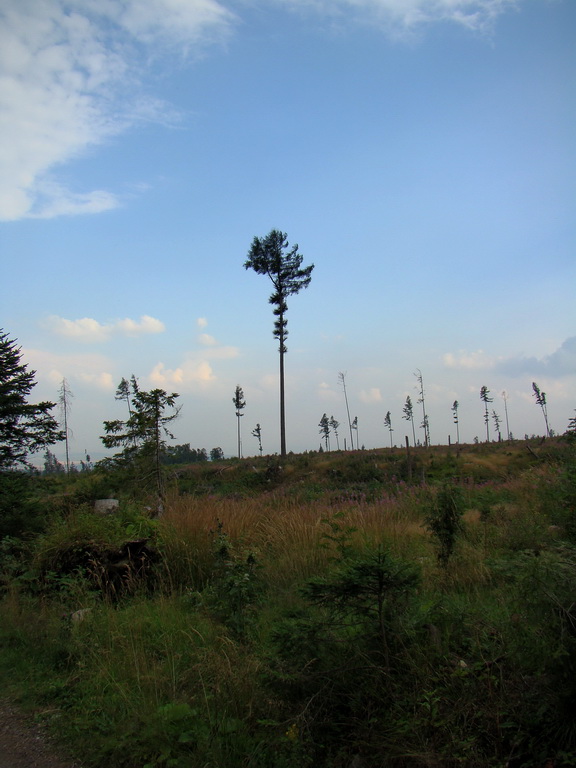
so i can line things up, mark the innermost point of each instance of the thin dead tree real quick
(65, 395)
(455, 406)
(505, 398)
(342, 380)
(541, 401)
(425, 425)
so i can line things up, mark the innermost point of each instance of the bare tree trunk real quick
(282, 407)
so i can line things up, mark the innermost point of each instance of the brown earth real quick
(25, 744)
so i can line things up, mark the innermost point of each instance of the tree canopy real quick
(272, 256)
(143, 435)
(24, 427)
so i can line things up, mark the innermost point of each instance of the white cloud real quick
(147, 324)
(372, 395)
(206, 340)
(101, 380)
(191, 372)
(201, 322)
(468, 360)
(89, 330)
(70, 78)
(72, 74)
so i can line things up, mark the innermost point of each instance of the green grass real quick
(301, 616)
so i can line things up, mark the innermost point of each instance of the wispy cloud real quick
(87, 329)
(70, 77)
(72, 74)
(405, 15)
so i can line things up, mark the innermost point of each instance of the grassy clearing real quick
(328, 613)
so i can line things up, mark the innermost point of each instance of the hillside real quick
(367, 609)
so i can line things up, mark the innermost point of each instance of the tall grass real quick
(260, 642)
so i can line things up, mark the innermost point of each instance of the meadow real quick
(340, 610)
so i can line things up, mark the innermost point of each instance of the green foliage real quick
(19, 513)
(235, 588)
(324, 425)
(103, 555)
(143, 435)
(257, 433)
(183, 454)
(444, 520)
(24, 427)
(272, 256)
(366, 591)
(216, 454)
(338, 538)
(302, 640)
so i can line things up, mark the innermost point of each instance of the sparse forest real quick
(171, 607)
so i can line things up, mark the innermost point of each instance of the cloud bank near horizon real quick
(560, 363)
(86, 329)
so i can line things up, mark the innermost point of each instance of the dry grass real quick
(292, 539)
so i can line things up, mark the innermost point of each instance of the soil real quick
(25, 744)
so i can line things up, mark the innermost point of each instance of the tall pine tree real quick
(24, 427)
(272, 256)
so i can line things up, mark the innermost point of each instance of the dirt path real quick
(24, 744)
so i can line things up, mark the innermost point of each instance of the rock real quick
(105, 506)
(78, 616)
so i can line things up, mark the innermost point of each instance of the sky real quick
(421, 153)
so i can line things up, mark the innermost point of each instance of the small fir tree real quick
(239, 405)
(496, 420)
(388, 425)
(409, 416)
(355, 427)
(541, 401)
(335, 424)
(257, 433)
(485, 397)
(324, 425)
(143, 435)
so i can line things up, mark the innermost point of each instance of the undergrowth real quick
(376, 624)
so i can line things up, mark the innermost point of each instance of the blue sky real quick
(420, 152)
